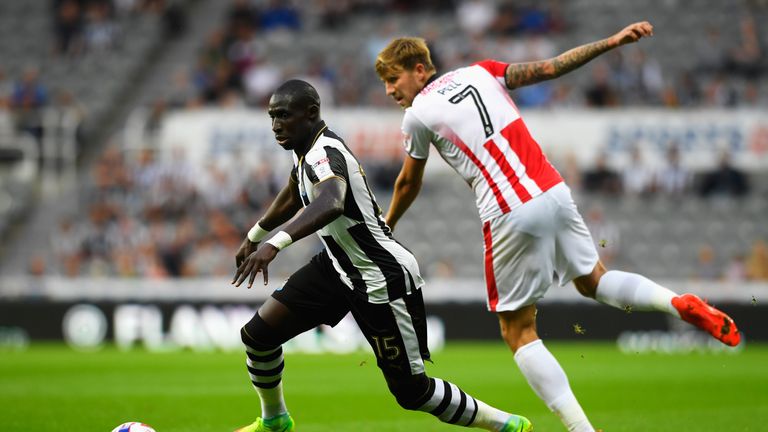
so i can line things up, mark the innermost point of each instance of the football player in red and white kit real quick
(531, 226)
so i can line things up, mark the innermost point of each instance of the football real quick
(133, 427)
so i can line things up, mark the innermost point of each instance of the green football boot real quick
(281, 423)
(517, 424)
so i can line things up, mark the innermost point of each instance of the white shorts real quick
(526, 247)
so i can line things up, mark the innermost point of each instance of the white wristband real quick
(257, 233)
(280, 240)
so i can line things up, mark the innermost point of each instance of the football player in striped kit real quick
(362, 270)
(531, 226)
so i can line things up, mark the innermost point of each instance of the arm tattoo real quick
(522, 74)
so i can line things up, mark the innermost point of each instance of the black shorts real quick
(397, 331)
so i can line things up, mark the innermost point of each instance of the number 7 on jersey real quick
(475, 95)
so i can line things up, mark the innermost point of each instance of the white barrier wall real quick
(701, 135)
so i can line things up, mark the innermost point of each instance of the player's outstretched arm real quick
(407, 187)
(522, 74)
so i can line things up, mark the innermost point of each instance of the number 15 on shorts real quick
(385, 348)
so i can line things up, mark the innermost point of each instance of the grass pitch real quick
(49, 387)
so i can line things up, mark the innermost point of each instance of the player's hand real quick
(254, 263)
(246, 248)
(633, 33)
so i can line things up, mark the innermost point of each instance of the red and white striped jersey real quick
(468, 115)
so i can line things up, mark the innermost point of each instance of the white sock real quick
(547, 379)
(272, 401)
(489, 418)
(622, 289)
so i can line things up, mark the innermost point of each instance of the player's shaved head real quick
(300, 93)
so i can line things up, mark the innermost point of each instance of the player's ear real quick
(313, 112)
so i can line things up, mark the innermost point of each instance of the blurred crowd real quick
(671, 178)
(157, 218)
(237, 63)
(83, 27)
(147, 216)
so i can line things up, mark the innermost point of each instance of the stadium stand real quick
(234, 53)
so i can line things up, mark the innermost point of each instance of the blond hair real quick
(401, 54)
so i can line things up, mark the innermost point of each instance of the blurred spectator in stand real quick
(68, 112)
(223, 80)
(242, 13)
(687, 91)
(746, 59)
(28, 99)
(66, 245)
(475, 17)
(334, 14)
(710, 52)
(673, 179)
(260, 81)
(146, 170)
(706, 264)
(601, 178)
(149, 262)
(720, 92)
(280, 15)
(37, 266)
(507, 20)
(259, 188)
(606, 235)
(751, 95)
(101, 31)
(757, 262)
(735, 270)
(637, 177)
(174, 19)
(213, 51)
(95, 245)
(725, 180)
(600, 92)
(216, 188)
(206, 259)
(647, 77)
(244, 49)
(537, 18)
(68, 27)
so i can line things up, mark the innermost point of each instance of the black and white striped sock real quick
(452, 405)
(449, 403)
(266, 371)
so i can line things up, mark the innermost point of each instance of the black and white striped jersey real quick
(360, 244)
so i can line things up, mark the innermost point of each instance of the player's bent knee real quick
(257, 334)
(410, 392)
